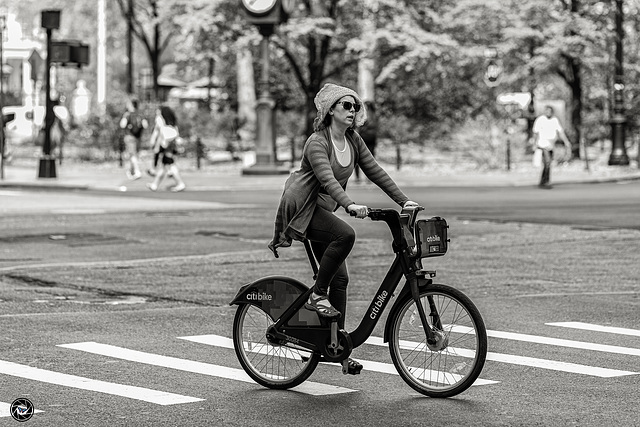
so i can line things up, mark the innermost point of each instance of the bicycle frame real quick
(401, 226)
(302, 327)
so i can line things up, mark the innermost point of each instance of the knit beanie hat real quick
(329, 95)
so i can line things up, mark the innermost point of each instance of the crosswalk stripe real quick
(309, 387)
(555, 341)
(368, 365)
(597, 328)
(5, 410)
(524, 361)
(132, 392)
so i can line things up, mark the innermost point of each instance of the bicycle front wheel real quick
(273, 366)
(451, 364)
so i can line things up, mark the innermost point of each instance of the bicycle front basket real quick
(431, 237)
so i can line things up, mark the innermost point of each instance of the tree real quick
(325, 40)
(148, 22)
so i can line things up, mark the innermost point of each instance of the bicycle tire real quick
(276, 367)
(439, 372)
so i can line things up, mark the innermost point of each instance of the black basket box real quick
(431, 237)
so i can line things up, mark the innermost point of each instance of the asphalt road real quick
(114, 308)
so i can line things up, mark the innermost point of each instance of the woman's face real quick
(343, 115)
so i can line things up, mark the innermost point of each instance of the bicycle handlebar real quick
(400, 223)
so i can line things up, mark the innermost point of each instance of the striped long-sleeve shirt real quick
(320, 173)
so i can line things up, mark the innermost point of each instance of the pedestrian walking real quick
(546, 130)
(164, 140)
(134, 125)
(318, 188)
(59, 128)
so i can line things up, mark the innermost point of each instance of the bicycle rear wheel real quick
(273, 366)
(451, 365)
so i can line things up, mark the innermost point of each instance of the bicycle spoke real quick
(442, 367)
(277, 366)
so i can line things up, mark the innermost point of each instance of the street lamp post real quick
(266, 14)
(618, 121)
(47, 169)
(2, 136)
(265, 147)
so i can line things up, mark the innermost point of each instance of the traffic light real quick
(69, 52)
(493, 67)
(493, 73)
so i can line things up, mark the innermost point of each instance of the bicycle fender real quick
(274, 294)
(405, 295)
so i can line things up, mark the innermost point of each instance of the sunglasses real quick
(347, 105)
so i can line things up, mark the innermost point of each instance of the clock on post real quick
(267, 12)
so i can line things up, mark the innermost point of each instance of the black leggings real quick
(332, 240)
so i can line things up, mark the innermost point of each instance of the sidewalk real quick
(228, 175)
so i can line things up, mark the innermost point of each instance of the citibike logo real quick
(259, 296)
(377, 305)
(431, 239)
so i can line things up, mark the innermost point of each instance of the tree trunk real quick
(366, 63)
(576, 108)
(130, 47)
(246, 125)
(155, 61)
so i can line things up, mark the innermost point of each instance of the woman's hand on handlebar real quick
(410, 204)
(359, 211)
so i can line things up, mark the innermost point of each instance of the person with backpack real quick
(134, 125)
(165, 140)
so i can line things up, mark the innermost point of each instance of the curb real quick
(237, 181)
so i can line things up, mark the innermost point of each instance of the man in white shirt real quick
(546, 130)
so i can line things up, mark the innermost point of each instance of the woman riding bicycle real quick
(316, 190)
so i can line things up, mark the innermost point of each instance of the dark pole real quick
(47, 166)
(531, 108)
(130, 48)
(618, 121)
(47, 162)
(266, 158)
(2, 136)
(212, 63)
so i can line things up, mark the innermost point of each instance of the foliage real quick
(153, 23)
(428, 55)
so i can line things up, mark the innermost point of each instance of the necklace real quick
(336, 147)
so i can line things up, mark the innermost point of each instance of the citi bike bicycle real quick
(436, 335)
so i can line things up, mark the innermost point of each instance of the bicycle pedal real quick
(346, 369)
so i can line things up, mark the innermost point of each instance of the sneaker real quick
(179, 187)
(135, 176)
(151, 187)
(151, 172)
(321, 305)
